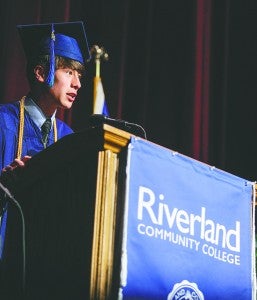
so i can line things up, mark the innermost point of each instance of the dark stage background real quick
(184, 70)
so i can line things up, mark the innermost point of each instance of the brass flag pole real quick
(99, 53)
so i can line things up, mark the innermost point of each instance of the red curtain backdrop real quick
(184, 70)
(202, 77)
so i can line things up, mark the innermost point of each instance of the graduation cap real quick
(63, 39)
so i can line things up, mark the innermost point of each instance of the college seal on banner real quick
(185, 290)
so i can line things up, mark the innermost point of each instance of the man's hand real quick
(17, 163)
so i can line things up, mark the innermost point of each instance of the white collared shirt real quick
(36, 113)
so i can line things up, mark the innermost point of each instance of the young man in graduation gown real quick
(56, 56)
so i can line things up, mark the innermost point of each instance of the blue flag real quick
(99, 104)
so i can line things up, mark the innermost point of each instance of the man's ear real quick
(39, 72)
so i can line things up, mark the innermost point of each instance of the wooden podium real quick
(71, 195)
(111, 216)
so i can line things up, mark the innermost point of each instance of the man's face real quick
(65, 88)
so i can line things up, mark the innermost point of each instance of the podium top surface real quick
(76, 146)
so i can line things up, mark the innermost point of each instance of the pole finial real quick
(99, 53)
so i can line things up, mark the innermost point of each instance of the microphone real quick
(99, 119)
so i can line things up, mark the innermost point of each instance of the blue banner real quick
(187, 229)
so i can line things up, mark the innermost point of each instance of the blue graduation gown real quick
(32, 143)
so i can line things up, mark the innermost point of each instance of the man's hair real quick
(60, 63)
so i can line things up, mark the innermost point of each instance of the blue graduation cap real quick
(67, 39)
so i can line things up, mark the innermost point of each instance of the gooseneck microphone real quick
(99, 119)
